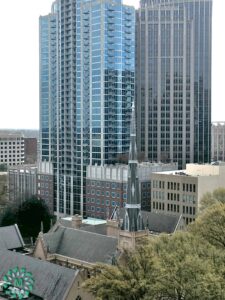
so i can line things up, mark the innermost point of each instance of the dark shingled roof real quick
(10, 238)
(51, 282)
(100, 228)
(81, 245)
(155, 222)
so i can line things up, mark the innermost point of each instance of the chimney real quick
(76, 221)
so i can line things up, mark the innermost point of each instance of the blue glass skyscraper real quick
(173, 80)
(93, 92)
(48, 79)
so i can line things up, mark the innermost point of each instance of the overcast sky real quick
(19, 61)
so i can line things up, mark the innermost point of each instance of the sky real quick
(19, 61)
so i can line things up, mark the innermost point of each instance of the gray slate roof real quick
(100, 228)
(10, 238)
(155, 222)
(81, 245)
(51, 281)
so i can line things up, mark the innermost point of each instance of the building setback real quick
(173, 80)
(45, 184)
(218, 141)
(30, 150)
(22, 183)
(180, 192)
(86, 91)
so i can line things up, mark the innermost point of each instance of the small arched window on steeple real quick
(126, 225)
(139, 221)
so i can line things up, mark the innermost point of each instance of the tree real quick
(178, 267)
(188, 269)
(8, 217)
(209, 199)
(30, 215)
(210, 225)
(3, 168)
(132, 279)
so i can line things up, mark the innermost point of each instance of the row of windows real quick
(43, 193)
(158, 184)
(43, 177)
(173, 197)
(189, 210)
(104, 202)
(42, 184)
(173, 208)
(158, 205)
(10, 155)
(10, 147)
(174, 186)
(10, 160)
(97, 209)
(158, 195)
(189, 187)
(189, 220)
(11, 143)
(113, 185)
(106, 193)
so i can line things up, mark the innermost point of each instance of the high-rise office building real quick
(90, 50)
(173, 80)
(48, 78)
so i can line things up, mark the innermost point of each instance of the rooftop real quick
(10, 238)
(80, 244)
(51, 282)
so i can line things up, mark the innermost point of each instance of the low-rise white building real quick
(180, 192)
(11, 149)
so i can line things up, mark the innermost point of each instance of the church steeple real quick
(133, 219)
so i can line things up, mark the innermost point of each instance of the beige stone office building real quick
(180, 192)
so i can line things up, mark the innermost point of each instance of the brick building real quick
(106, 187)
(45, 185)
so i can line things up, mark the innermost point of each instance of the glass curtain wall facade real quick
(95, 59)
(173, 80)
(48, 79)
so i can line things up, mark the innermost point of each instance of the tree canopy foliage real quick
(3, 168)
(29, 216)
(188, 265)
(210, 225)
(209, 199)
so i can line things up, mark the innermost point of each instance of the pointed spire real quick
(133, 220)
(133, 146)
